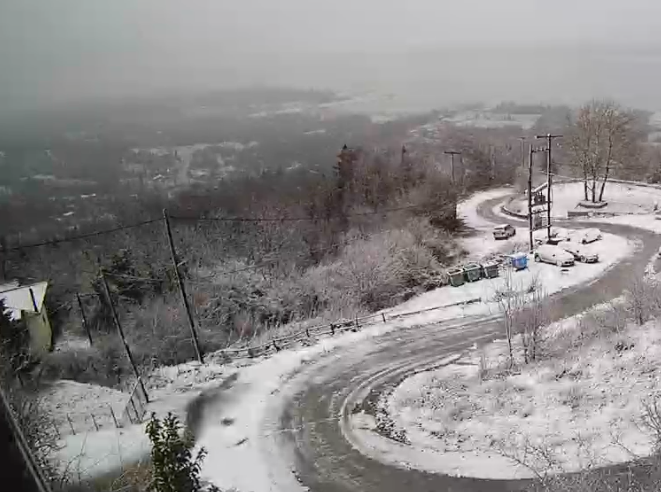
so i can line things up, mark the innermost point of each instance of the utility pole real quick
(530, 217)
(84, 317)
(452, 153)
(549, 141)
(523, 151)
(182, 288)
(120, 331)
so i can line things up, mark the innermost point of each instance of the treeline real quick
(261, 252)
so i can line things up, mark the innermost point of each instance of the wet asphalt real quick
(326, 462)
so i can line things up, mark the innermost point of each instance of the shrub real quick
(174, 469)
(371, 272)
(105, 364)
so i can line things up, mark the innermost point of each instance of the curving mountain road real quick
(312, 419)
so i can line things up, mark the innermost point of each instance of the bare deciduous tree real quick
(524, 313)
(530, 319)
(600, 138)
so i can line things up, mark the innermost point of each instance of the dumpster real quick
(456, 277)
(519, 261)
(490, 270)
(472, 272)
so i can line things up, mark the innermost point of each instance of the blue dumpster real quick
(519, 261)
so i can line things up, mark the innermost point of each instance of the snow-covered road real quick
(281, 426)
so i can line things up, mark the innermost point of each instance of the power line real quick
(84, 236)
(202, 219)
(291, 219)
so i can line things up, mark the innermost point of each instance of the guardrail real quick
(340, 326)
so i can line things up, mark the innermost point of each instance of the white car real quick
(555, 255)
(558, 234)
(580, 252)
(586, 236)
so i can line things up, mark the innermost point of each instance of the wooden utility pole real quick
(452, 153)
(530, 215)
(84, 317)
(523, 151)
(182, 288)
(120, 331)
(549, 179)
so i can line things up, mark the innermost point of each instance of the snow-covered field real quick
(88, 452)
(623, 199)
(577, 406)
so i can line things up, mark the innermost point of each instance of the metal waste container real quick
(490, 270)
(472, 272)
(456, 276)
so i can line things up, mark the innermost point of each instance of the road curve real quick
(311, 419)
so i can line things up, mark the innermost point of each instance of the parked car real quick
(580, 252)
(504, 231)
(558, 234)
(555, 255)
(586, 236)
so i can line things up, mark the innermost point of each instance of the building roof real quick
(17, 299)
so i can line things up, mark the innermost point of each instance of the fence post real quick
(96, 426)
(57, 431)
(114, 419)
(182, 288)
(84, 317)
(357, 325)
(121, 332)
(135, 410)
(332, 327)
(383, 316)
(307, 332)
(71, 425)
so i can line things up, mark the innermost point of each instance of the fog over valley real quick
(424, 52)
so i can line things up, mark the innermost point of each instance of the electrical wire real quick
(83, 236)
(290, 219)
(202, 219)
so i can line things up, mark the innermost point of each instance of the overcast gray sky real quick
(55, 50)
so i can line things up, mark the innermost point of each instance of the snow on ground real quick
(233, 432)
(622, 199)
(611, 250)
(78, 402)
(583, 404)
(467, 209)
(481, 246)
(648, 222)
(88, 452)
(241, 445)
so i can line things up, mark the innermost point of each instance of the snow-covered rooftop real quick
(17, 298)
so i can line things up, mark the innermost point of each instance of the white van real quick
(554, 255)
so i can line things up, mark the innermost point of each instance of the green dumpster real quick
(456, 277)
(472, 272)
(490, 270)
